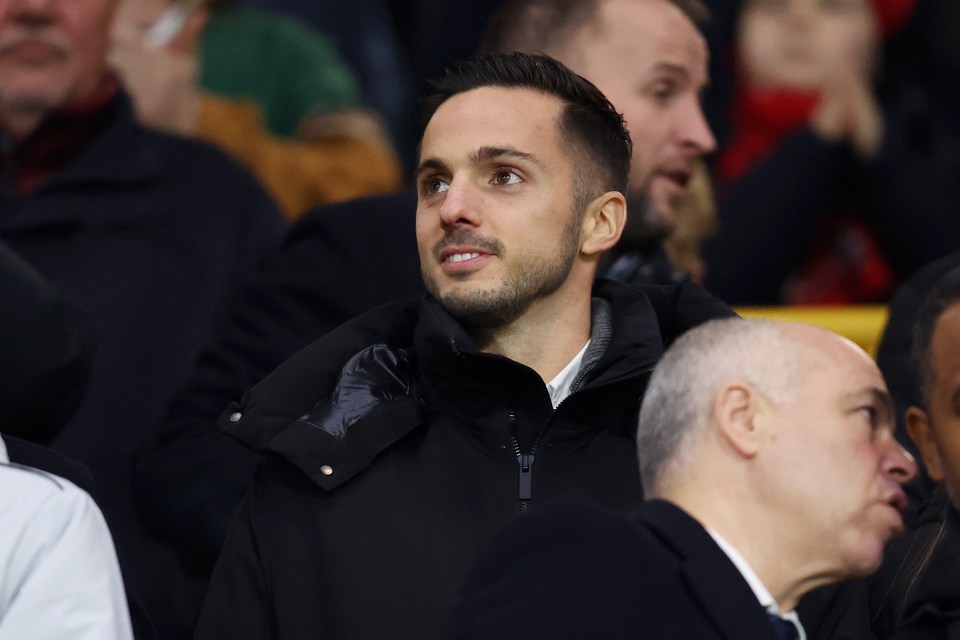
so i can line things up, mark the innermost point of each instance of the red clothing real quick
(58, 139)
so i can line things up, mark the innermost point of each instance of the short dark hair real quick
(546, 26)
(945, 294)
(588, 122)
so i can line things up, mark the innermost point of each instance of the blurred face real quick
(836, 467)
(52, 52)
(794, 43)
(497, 228)
(650, 61)
(938, 433)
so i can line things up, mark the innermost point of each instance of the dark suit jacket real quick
(579, 572)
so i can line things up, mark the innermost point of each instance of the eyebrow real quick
(483, 154)
(430, 164)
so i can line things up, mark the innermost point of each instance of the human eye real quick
(663, 89)
(503, 177)
(432, 185)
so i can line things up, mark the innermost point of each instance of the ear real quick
(736, 411)
(921, 432)
(603, 223)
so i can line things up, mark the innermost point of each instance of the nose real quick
(695, 132)
(460, 206)
(898, 463)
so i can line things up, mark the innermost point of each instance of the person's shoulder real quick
(26, 492)
(678, 306)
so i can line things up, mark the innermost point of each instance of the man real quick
(327, 272)
(915, 593)
(403, 439)
(768, 450)
(651, 62)
(60, 577)
(148, 234)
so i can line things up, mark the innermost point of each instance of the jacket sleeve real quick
(46, 350)
(768, 218)
(238, 601)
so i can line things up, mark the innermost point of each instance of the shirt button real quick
(326, 470)
(235, 417)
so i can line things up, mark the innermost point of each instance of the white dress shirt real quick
(559, 387)
(759, 590)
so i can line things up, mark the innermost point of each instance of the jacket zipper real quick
(525, 460)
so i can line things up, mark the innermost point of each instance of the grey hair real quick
(679, 399)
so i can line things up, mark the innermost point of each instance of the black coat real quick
(46, 350)
(577, 572)
(392, 464)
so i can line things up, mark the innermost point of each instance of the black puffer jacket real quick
(399, 448)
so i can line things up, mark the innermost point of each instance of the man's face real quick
(497, 228)
(649, 59)
(795, 43)
(52, 52)
(941, 437)
(836, 468)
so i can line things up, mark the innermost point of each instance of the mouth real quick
(461, 259)
(675, 179)
(898, 502)
(32, 51)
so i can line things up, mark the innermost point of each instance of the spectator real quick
(404, 438)
(267, 89)
(916, 592)
(327, 273)
(148, 234)
(629, 49)
(768, 450)
(809, 207)
(895, 359)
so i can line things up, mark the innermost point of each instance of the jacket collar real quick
(460, 380)
(306, 410)
(714, 581)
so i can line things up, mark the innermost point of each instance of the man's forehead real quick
(655, 31)
(491, 117)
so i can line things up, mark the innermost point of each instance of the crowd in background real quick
(201, 193)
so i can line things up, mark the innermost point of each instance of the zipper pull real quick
(526, 477)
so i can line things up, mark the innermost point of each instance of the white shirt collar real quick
(559, 387)
(3, 451)
(761, 592)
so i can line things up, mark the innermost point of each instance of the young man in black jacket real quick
(403, 439)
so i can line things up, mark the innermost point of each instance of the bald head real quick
(770, 357)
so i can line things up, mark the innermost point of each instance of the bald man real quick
(768, 450)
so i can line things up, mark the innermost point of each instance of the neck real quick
(546, 337)
(766, 541)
